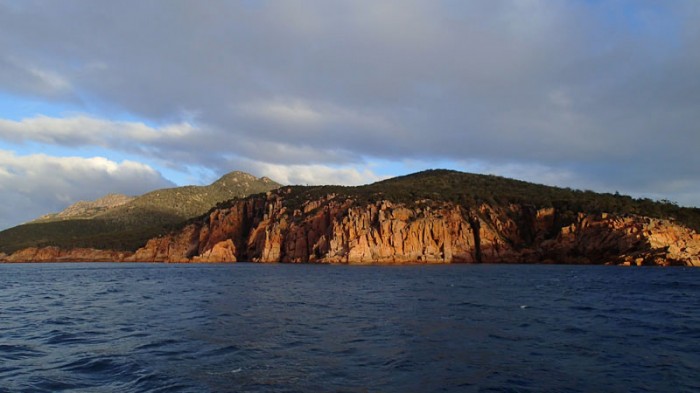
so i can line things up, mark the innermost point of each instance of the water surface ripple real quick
(300, 328)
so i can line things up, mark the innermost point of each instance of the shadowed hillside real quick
(469, 189)
(509, 211)
(123, 223)
(87, 209)
(436, 216)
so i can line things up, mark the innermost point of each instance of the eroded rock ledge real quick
(336, 229)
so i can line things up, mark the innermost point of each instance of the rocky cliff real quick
(334, 229)
(119, 222)
(430, 217)
(88, 209)
(55, 254)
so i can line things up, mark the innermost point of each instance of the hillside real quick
(467, 189)
(125, 223)
(436, 217)
(87, 209)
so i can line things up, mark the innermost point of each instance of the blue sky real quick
(129, 96)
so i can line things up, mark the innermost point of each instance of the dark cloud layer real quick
(607, 92)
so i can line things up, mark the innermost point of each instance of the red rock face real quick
(54, 254)
(337, 230)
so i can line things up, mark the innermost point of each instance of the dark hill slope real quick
(129, 225)
(435, 216)
(469, 190)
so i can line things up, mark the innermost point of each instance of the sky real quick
(133, 95)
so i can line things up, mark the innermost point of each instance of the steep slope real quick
(172, 205)
(429, 217)
(88, 209)
(109, 224)
(355, 228)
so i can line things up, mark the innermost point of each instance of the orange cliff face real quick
(333, 229)
(55, 254)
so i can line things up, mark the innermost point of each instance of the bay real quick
(105, 327)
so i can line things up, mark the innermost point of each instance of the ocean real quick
(107, 327)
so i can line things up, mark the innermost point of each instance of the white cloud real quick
(307, 119)
(314, 174)
(51, 80)
(27, 76)
(37, 184)
(82, 130)
(596, 88)
(295, 112)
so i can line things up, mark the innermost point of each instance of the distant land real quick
(122, 223)
(435, 216)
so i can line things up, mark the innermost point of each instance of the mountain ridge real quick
(435, 216)
(125, 223)
(87, 209)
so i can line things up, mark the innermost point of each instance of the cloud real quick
(20, 76)
(605, 92)
(167, 144)
(84, 130)
(37, 184)
(312, 174)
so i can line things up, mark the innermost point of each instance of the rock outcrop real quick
(55, 254)
(121, 222)
(88, 209)
(335, 229)
(278, 227)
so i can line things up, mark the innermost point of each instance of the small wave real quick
(224, 351)
(61, 337)
(109, 291)
(574, 330)
(91, 365)
(157, 344)
(49, 385)
(582, 308)
(18, 352)
(60, 321)
(234, 371)
(468, 304)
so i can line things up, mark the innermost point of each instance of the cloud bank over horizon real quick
(597, 95)
(37, 182)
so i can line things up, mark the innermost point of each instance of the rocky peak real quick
(235, 177)
(343, 230)
(87, 209)
(243, 179)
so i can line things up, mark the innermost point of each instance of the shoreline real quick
(626, 265)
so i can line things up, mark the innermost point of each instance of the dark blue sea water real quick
(307, 328)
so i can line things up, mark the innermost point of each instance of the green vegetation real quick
(472, 189)
(128, 226)
(87, 209)
(91, 233)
